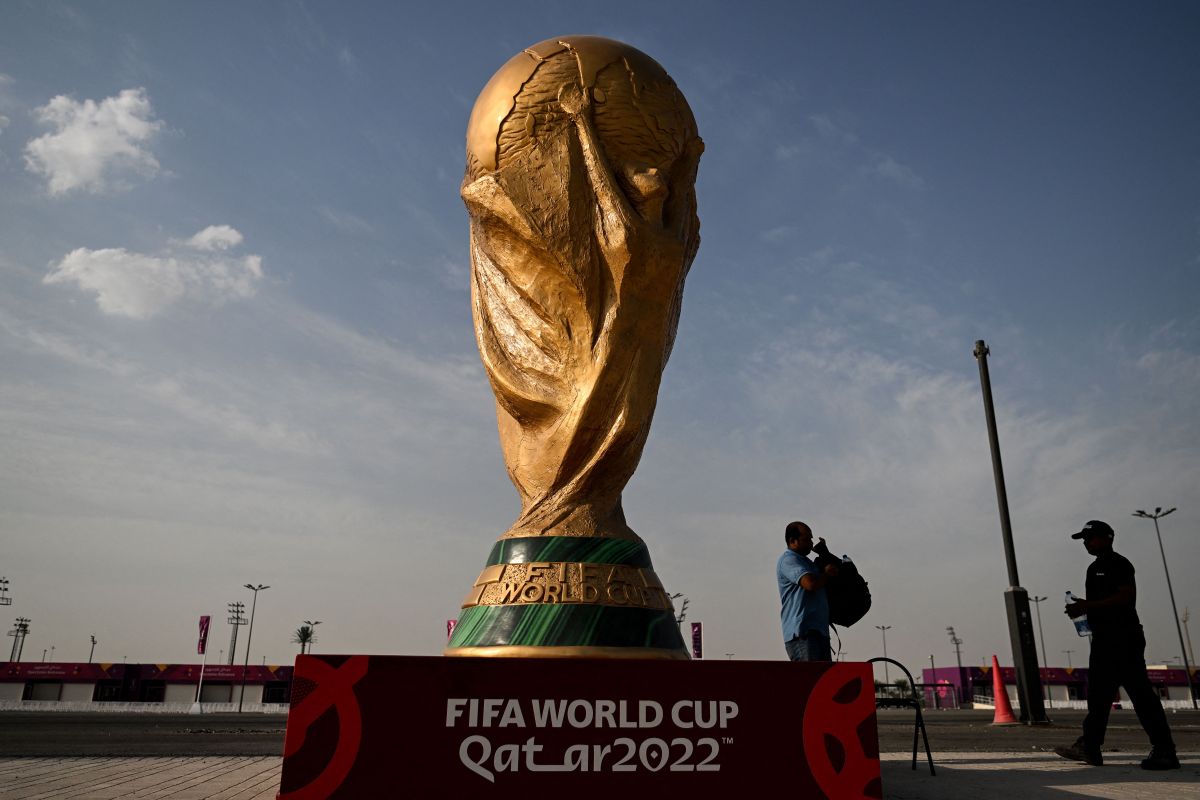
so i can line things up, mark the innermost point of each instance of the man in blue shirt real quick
(805, 608)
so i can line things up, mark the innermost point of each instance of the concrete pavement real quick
(153, 778)
(1035, 775)
(977, 776)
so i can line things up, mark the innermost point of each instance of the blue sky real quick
(236, 341)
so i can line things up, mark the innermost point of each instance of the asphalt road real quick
(116, 734)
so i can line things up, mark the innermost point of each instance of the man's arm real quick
(1126, 596)
(813, 581)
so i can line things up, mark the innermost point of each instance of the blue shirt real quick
(802, 611)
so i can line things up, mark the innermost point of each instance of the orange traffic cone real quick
(1004, 712)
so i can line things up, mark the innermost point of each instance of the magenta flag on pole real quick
(450, 623)
(202, 645)
(697, 640)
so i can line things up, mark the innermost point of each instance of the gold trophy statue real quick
(580, 184)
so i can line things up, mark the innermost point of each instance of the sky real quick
(236, 342)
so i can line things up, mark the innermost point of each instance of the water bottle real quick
(1081, 623)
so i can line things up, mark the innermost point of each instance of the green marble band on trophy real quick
(580, 184)
(567, 596)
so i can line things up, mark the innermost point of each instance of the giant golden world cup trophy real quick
(580, 184)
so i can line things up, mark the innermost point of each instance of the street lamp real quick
(249, 636)
(1037, 605)
(1069, 664)
(237, 618)
(883, 629)
(92, 652)
(1187, 668)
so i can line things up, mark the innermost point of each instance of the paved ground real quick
(1034, 776)
(236, 757)
(960, 776)
(186, 778)
(972, 731)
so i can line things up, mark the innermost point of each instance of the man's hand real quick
(1076, 609)
(831, 570)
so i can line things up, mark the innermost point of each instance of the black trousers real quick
(1118, 658)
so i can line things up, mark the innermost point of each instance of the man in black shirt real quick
(1118, 656)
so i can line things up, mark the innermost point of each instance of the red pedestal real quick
(401, 727)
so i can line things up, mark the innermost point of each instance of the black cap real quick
(1094, 527)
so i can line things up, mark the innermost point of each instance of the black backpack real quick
(849, 597)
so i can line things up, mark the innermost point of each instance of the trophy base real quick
(567, 597)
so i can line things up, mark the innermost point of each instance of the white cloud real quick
(3, 122)
(885, 166)
(831, 131)
(139, 286)
(216, 237)
(346, 222)
(92, 142)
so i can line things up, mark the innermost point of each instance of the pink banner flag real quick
(202, 645)
(450, 623)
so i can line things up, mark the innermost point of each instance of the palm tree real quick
(304, 637)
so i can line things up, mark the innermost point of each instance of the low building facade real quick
(166, 687)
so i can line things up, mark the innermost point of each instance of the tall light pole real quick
(249, 636)
(1037, 605)
(92, 652)
(237, 618)
(1187, 668)
(932, 677)
(1069, 664)
(681, 615)
(957, 642)
(19, 632)
(1187, 635)
(20, 625)
(23, 625)
(1016, 599)
(884, 629)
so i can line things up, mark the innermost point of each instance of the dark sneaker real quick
(1160, 759)
(1077, 752)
